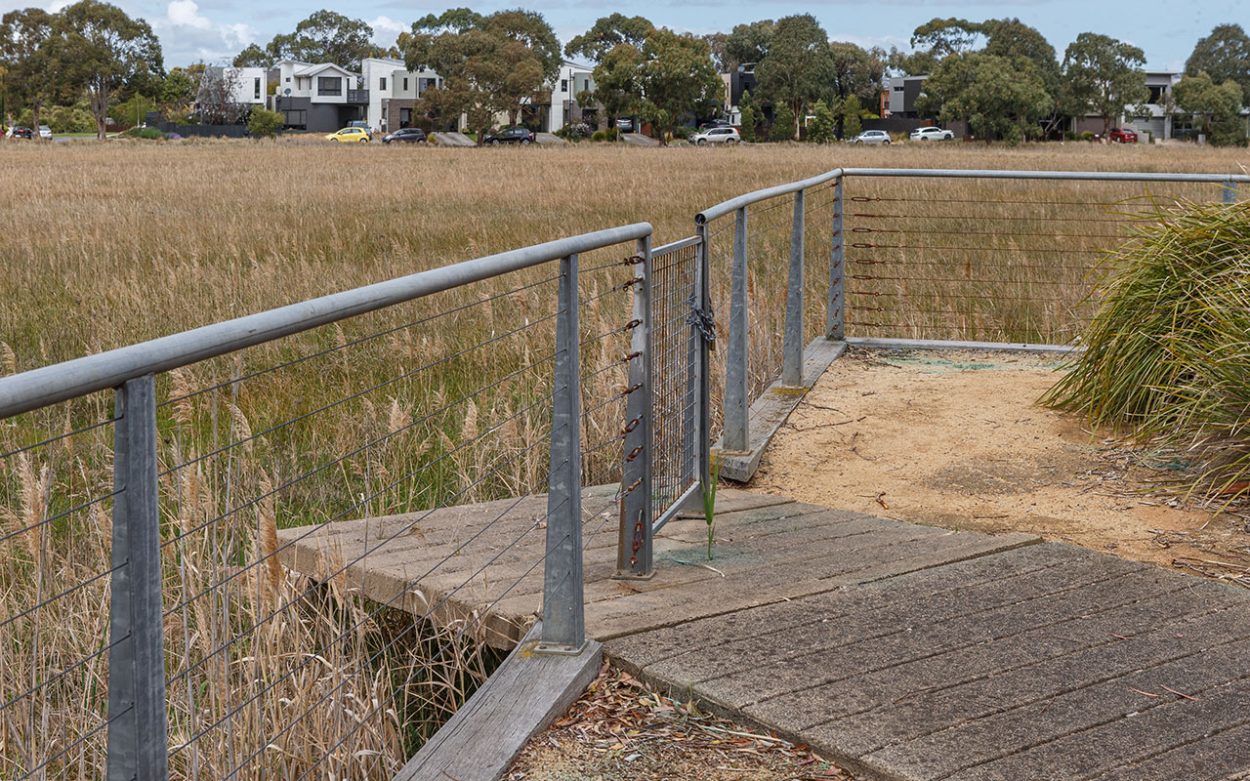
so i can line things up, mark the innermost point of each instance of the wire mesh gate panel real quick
(675, 345)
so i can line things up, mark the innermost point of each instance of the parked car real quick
(625, 125)
(20, 132)
(714, 123)
(1122, 135)
(350, 135)
(716, 135)
(872, 137)
(45, 132)
(931, 134)
(411, 135)
(510, 135)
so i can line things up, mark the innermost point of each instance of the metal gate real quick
(663, 431)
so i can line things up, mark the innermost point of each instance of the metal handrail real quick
(734, 204)
(71, 379)
(1080, 176)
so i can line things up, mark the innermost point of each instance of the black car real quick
(23, 132)
(413, 135)
(510, 135)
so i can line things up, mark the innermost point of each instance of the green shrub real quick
(1087, 135)
(820, 129)
(611, 134)
(264, 123)
(146, 133)
(683, 132)
(1166, 356)
(851, 120)
(783, 124)
(575, 132)
(750, 117)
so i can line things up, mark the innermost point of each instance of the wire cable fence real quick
(992, 260)
(56, 493)
(768, 247)
(263, 479)
(291, 545)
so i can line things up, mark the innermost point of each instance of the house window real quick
(405, 84)
(898, 89)
(423, 85)
(564, 85)
(382, 83)
(329, 85)
(256, 90)
(288, 79)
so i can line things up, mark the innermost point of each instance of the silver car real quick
(872, 137)
(716, 135)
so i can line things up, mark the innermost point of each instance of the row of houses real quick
(325, 96)
(1155, 120)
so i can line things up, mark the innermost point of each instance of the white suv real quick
(716, 135)
(931, 134)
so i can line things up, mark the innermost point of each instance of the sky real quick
(214, 31)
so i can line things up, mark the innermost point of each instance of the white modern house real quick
(393, 91)
(572, 80)
(247, 87)
(318, 96)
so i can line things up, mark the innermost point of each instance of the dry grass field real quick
(441, 400)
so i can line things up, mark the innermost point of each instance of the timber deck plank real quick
(906, 652)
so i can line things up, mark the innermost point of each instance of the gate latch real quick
(704, 320)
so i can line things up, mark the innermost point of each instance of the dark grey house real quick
(322, 97)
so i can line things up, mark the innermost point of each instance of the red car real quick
(1119, 135)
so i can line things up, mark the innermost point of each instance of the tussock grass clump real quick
(1167, 357)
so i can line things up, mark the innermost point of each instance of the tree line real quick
(1000, 76)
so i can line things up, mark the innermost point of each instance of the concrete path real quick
(904, 652)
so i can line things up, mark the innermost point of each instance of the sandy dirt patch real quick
(620, 730)
(955, 439)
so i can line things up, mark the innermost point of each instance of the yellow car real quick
(350, 135)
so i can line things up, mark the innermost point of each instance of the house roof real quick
(313, 70)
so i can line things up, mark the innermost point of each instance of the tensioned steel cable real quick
(355, 342)
(58, 438)
(358, 394)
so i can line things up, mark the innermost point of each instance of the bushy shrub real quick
(1087, 135)
(264, 123)
(578, 131)
(611, 134)
(1166, 356)
(750, 117)
(683, 132)
(146, 133)
(820, 129)
(783, 124)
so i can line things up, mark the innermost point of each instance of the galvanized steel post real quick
(835, 314)
(792, 346)
(736, 436)
(138, 728)
(633, 553)
(1230, 192)
(564, 621)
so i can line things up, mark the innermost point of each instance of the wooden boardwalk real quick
(904, 652)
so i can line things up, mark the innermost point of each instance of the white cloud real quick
(186, 13)
(188, 35)
(386, 30)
